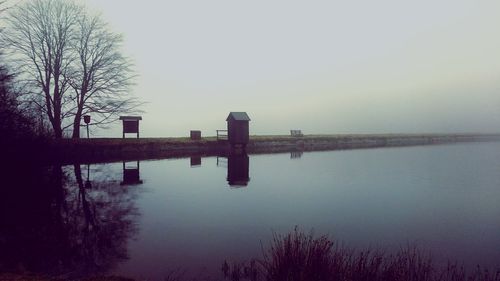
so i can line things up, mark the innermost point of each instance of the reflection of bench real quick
(296, 133)
(131, 174)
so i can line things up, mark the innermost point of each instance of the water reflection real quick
(238, 170)
(238, 166)
(195, 161)
(88, 183)
(55, 221)
(222, 161)
(131, 173)
(296, 154)
(78, 220)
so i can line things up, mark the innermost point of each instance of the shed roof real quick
(130, 118)
(238, 116)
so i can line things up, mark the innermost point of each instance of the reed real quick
(299, 256)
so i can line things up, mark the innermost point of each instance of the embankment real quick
(111, 149)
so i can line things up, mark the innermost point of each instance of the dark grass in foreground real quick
(299, 256)
(29, 277)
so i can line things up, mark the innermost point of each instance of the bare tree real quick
(72, 61)
(40, 32)
(102, 75)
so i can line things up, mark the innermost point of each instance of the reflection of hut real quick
(131, 174)
(195, 161)
(238, 170)
(130, 125)
(237, 128)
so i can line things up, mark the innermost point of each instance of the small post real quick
(86, 119)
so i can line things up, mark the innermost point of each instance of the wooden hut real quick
(237, 128)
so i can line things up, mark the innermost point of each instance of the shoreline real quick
(97, 150)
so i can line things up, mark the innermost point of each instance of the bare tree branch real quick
(38, 35)
(57, 46)
(104, 75)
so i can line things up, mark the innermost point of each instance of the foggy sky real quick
(319, 66)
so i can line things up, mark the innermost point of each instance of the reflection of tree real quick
(50, 223)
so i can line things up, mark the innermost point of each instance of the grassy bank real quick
(109, 149)
(34, 277)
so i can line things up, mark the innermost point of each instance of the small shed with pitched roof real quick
(237, 128)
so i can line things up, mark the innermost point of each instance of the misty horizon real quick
(323, 67)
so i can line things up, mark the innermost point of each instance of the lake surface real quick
(146, 219)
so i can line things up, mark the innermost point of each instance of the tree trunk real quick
(78, 115)
(57, 108)
(56, 125)
(58, 133)
(76, 126)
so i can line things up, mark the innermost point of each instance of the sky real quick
(324, 67)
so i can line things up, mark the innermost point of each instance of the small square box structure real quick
(195, 135)
(130, 125)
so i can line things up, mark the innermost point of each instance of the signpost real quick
(86, 119)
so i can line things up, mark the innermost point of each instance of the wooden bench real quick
(296, 133)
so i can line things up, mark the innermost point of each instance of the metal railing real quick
(222, 135)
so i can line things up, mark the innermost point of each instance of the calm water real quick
(146, 219)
